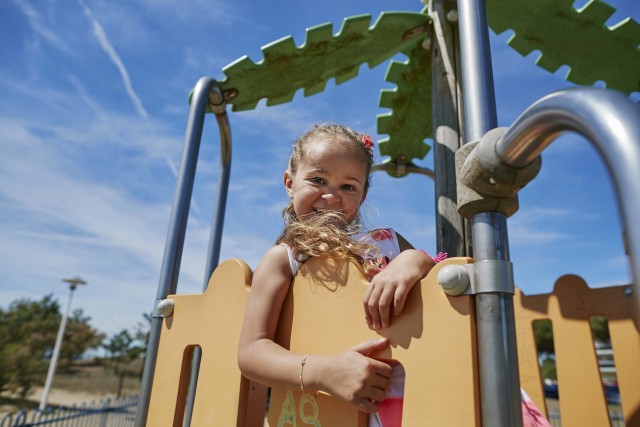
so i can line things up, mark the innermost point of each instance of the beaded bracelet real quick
(302, 363)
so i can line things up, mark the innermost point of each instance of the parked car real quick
(612, 394)
(551, 390)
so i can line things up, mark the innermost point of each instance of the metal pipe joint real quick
(481, 277)
(485, 182)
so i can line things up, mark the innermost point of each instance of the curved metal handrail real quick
(611, 122)
(207, 93)
(218, 106)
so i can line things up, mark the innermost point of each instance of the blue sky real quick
(92, 118)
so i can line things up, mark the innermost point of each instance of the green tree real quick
(600, 330)
(28, 334)
(543, 333)
(79, 336)
(142, 332)
(28, 331)
(548, 368)
(122, 348)
(125, 347)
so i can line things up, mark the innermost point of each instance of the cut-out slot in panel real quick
(607, 366)
(183, 385)
(545, 347)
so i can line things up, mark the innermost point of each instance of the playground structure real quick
(487, 350)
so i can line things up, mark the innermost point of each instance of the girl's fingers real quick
(367, 405)
(400, 298)
(378, 306)
(366, 381)
(382, 382)
(371, 346)
(365, 302)
(367, 293)
(378, 395)
(371, 307)
(373, 398)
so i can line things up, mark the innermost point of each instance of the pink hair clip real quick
(367, 141)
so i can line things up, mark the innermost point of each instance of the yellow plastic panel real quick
(211, 320)
(569, 307)
(434, 340)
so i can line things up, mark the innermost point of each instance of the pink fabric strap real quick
(440, 257)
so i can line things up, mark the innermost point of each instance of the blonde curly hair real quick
(327, 234)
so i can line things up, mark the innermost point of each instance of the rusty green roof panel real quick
(287, 68)
(408, 123)
(577, 38)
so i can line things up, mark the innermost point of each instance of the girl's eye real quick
(316, 180)
(348, 187)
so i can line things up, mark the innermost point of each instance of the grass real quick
(94, 378)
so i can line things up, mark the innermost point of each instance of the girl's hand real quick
(353, 376)
(390, 286)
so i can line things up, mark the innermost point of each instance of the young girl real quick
(327, 181)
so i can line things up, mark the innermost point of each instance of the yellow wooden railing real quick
(434, 339)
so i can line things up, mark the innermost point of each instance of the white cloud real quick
(42, 28)
(531, 226)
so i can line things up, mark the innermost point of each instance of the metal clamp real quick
(493, 275)
(485, 182)
(487, 276)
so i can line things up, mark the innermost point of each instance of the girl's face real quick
(329, 178)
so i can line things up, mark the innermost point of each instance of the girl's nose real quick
(331, 197)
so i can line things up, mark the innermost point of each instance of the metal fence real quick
(119, 412)
(617, 420)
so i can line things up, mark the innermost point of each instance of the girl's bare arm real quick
(389, 288)
(349, 375)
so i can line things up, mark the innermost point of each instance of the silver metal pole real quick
(477, 72)
(611, 122)
(73, 283)
(495, 325)
(217, 103)
(495, 320)
(175, 236)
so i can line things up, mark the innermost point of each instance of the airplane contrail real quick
(115, 58)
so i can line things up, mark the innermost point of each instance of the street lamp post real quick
(73, 283)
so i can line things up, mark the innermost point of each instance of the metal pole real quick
(477, 72)
(453, 232)
(175, 236)
(217, 103)
(495, 320)
(73, 283)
